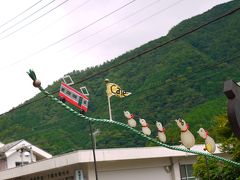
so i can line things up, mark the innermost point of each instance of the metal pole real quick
(21, 152)
(93, 148)
(95, 133)
(207, 167)
(109, 103)
(31, 154)
(94, 141)
(109, 108)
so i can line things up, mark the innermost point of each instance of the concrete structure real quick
(19, 153)
(142, 163)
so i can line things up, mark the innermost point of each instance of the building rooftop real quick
(86, 156)
(8, 146)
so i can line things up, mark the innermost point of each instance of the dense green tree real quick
(229, 144)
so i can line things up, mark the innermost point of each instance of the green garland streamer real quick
(138, 132)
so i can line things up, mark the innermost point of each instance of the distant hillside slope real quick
(183, 79)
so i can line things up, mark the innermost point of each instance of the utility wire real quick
(109, 26)
(224, 60)
(24, 19)
(191, 76)
(126, 29)
(73, 10)
(74, 33)
(35, 19)
(138, 55)
(10, 20)
(144, 52)
(161, 45)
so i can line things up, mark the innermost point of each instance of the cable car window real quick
(68, 93)
(80, 101)
(74, 96)
(62, 89)
(85, 102)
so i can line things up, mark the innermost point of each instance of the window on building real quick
(79, 175)
(186, 171)
(85, 102)
(21, 163)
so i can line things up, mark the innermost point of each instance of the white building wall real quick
(141, 169)
(151, 173)
(16, 157)
(3, 164)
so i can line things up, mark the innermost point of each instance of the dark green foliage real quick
(183, 79)
(230, 144)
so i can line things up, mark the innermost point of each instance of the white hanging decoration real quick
(187, 138)
(129, 116)
(161, 132)
(145, 127)
(210, 145)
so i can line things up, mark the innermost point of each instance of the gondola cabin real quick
(74, 97)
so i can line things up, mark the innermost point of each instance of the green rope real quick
(138, 132)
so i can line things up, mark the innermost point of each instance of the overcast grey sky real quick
(56, 39)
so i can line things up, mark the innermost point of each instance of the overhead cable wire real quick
(109, 26)
(35, 19)
(213, 66)
(10, 20)
(140, 54)
(24, 20)
(224, 60)
(172, 40)
(67, 14)
(162, 44)
(126, 29)
(162, 85)
(74, 33)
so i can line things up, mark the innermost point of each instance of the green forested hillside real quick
(182, 79)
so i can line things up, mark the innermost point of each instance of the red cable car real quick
(74, 97)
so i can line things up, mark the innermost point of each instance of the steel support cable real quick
(127, 127)
(74, 33)
(188, 78)
(165, 85)
(140, 54)
(10, 20)
(35, 19)
(109, 26)
(65, 15)
(160, 45)
(155, 84)
(126, 29)
(24, 19)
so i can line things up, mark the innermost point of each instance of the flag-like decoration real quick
(115, 90)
